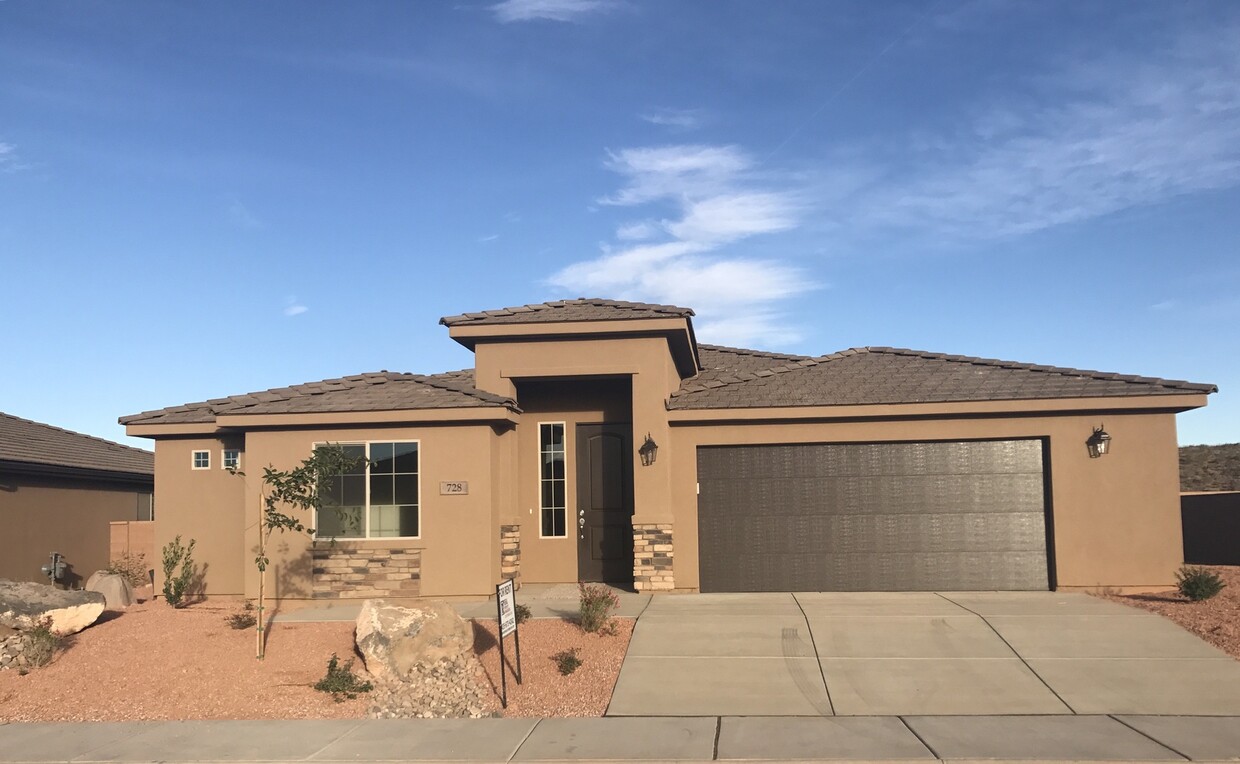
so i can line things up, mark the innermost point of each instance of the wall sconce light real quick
(649, 451)
(1099, 443)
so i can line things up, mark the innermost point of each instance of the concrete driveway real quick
(889, 654)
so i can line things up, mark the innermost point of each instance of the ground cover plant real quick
(1198, 583)
(340, 681)
(596, 605)
(178, 571)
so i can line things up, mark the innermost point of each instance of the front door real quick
(604, 503)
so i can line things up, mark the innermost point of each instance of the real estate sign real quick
(506, 609)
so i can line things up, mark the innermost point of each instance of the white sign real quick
(454, 488)
(507, 608)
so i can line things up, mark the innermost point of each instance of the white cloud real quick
(8, 158)
(511, 11)
(485, 239)
(714, 199)
(293, 308)
(679, 119)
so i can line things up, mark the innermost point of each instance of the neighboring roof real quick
(582, 309)
(22, 440)
(880, 375)
(380, 391)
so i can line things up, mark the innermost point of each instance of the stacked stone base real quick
(510, 554)
(653, 551)
(353, 572)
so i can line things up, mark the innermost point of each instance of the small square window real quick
(202, 460)
(231, 459)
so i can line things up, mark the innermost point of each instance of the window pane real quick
(340, 522)
(354, 494)
(548, 523)
(408, 521)
(406, 457)
(382, 520)
(557, 495)
(406, 489)
(548, 497)
(381, 489)
(557, 467)
(357, 454)
(559, 521)
(380, 457)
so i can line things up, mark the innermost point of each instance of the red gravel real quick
(1216, 620)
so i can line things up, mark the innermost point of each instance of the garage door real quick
(947, 516)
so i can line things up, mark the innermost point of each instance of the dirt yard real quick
(1216, 620)
(152, 662)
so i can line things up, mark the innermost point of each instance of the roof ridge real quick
(104, 441)
(601, 302)
(749, 351)
(469, 390)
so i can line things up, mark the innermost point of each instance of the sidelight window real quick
(552, 483)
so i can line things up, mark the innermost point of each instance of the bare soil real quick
(152, 662)
(1216, 620)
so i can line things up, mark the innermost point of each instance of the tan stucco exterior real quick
(1113, 522)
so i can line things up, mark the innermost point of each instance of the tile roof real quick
(581, 309)
(877, 375)
(379, 391)
(719, 362)
(22, 440)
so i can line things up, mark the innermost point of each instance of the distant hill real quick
(1210, 468)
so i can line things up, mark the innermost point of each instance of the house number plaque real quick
(453, 488)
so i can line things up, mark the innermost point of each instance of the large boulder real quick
(398, 642)
(115, 588)
(23, 605)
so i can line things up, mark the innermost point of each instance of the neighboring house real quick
(597, 440)
(1210, 503)
(59, 491)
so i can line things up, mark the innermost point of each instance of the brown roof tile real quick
(878, 375)
(22, 440)
(380, 391)
(582, 309)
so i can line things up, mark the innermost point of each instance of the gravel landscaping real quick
(1216, 620)
(152, 662)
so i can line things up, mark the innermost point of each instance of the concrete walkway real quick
(916, 654)
(857, 738)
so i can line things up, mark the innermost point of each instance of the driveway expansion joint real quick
(1181, 754)
(817, 657)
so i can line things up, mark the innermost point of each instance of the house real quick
(59, 491)
(597, 440)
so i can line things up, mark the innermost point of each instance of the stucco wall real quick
(1115, 519)
(44, 515)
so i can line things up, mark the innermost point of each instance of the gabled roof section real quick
(882, 375)
(22, 440)
(379, 391)
(560, 311)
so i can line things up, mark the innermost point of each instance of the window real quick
(231, 459)
(202, 460)
(376, 499)
(552, 483)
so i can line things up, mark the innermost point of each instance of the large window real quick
(552, 483)
(376, 499)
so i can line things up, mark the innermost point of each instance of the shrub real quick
(41, 643)
(523, 614)
(1198, 583)
(244, 619)
(341, 682)
(132, 567)
(176, 583)
(597, 602)
(567, 661)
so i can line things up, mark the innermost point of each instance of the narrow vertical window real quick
(552, 483)
(202, 460)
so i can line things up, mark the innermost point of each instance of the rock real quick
(115, 588)
(396, 642)
(23, 605)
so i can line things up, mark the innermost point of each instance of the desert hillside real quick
(1210, 468)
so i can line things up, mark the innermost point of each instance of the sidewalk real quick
(858, 738)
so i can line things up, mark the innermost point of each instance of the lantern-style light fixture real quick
(1099, 443)
(649, 451)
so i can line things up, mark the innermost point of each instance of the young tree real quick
(286, 497)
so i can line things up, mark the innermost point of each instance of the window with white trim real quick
(379, 498)
(552, 483)
(230, 459)
(202, 460)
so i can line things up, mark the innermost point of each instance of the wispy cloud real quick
(679, 119)
(1094, 139)
(240, 215)
(716, 198)
(9, 161)
(292, 307)
(511, 11)
(485, 239)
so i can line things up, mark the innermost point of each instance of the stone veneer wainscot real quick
(510, 554)
(345, 571)
(652, 558)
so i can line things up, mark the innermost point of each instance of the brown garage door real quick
(948, 516)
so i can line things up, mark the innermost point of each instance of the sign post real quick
(506, 609)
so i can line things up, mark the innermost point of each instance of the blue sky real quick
(199, 200)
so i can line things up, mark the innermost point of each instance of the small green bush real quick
(567, 661)
(597, 602)
(176, 583)
(523, 614)
(133, 567)
(341, 682)
(41, 643)
(243, 619)
(1198, 583)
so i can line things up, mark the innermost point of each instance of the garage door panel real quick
(884, 516)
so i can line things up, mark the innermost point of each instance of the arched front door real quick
(604, 503)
